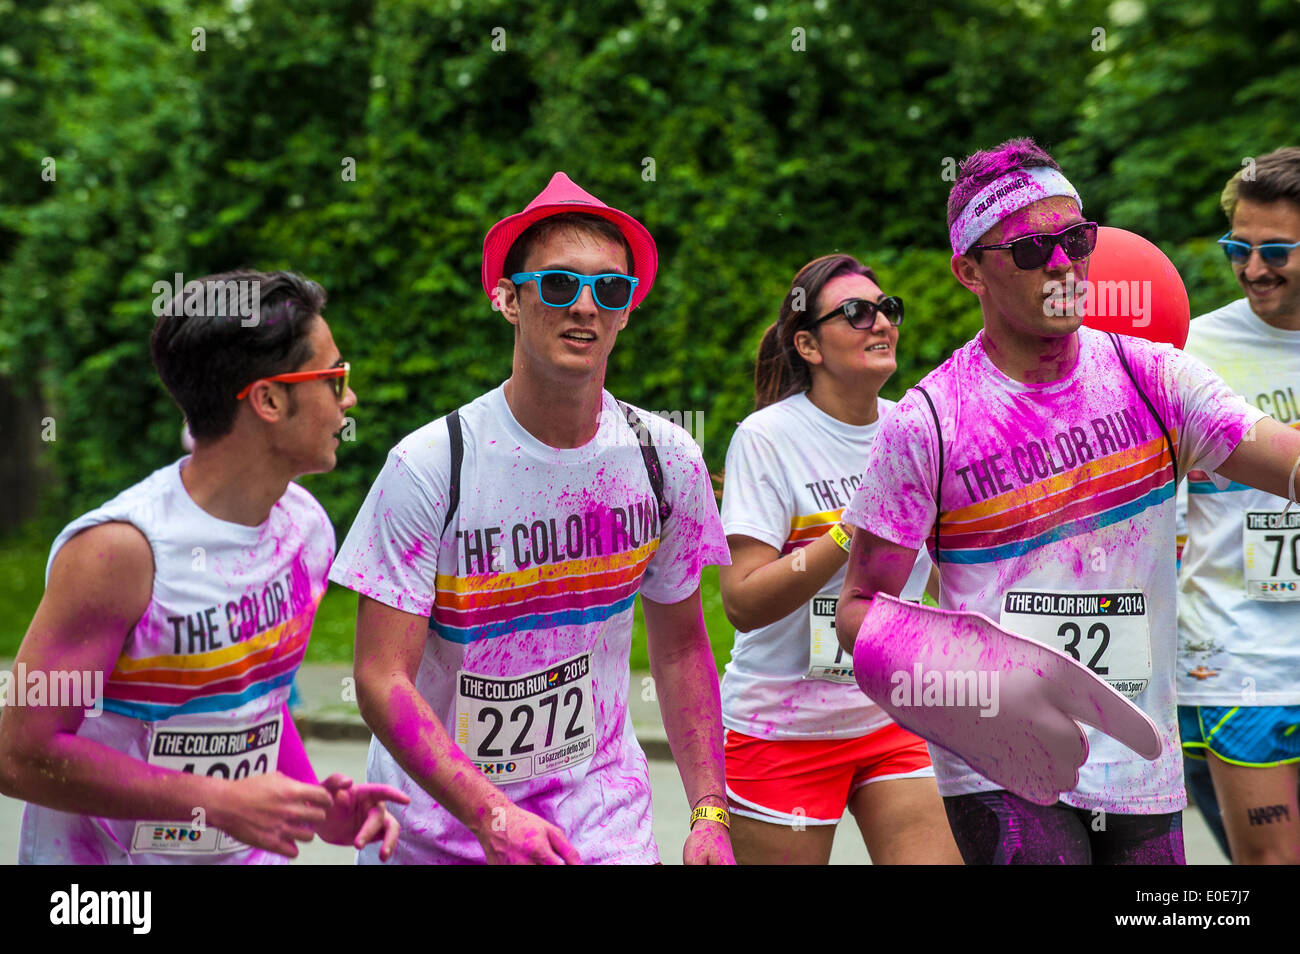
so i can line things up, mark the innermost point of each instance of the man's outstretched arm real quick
(686, 681)
(1266, 459)
(390, 643)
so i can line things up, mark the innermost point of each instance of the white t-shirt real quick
(203, 676)
(1243, 649)
(531, 591)
(1063, 487)
(791, 471)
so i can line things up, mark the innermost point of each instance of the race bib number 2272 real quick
(519, 727)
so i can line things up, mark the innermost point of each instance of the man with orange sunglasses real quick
(176, 615)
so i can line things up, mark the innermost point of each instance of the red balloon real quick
(1134, 289)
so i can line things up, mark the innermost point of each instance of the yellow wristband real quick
(842, 539)
(718, 815)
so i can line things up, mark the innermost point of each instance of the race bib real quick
(234, 752)
(1270, 555)
(1105, 630)
(826, 657)
(525, 726)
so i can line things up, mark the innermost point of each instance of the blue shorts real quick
(1253, 736)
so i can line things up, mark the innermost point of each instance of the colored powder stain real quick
(87, 850)
(409, 728)
(410, 555)
(300, 588)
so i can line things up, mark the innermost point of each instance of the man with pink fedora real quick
(498, 558)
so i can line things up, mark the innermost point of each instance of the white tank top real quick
(203, 676)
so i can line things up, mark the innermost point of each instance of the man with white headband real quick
(1038, 464)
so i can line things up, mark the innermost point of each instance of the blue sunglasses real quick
(1273, 253)
(560, 289)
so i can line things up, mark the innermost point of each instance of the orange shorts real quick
(786, 782)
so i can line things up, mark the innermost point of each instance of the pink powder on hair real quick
(980, 168)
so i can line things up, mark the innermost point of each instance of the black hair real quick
(207, 345)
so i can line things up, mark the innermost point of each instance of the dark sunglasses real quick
(1273, 253)
(337, 375)
(560, 289)
(1035, 251)
(861, 314)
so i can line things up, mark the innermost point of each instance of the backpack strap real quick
(457, 436)
(650, 456)
(1123, 360)
(938, 489)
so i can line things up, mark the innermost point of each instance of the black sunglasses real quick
(861, 314)
(1035, 251)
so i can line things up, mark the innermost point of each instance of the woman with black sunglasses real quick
(803, 742)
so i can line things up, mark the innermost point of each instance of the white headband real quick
(1005, 195)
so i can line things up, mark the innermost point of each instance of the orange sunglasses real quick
(339, 373)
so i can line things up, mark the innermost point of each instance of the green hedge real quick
(778, 132)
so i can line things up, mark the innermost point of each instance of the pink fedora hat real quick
(563, 195)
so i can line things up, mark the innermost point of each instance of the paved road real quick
(349, 757)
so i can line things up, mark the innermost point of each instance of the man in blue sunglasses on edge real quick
(499, 555)
(1239, 588)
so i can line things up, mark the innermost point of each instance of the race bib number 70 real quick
(520, 727)
(826, 657)
(1270, 544)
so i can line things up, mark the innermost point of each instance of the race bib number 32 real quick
(521, 727)
(1104, 630)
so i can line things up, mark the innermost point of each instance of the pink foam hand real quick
(1008, 706)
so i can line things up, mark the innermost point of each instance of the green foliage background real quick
(173, 160)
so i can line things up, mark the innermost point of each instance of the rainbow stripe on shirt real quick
(570, 593)
(1104, 491)
(154, 688)
(1198, 482)
(804, 529)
